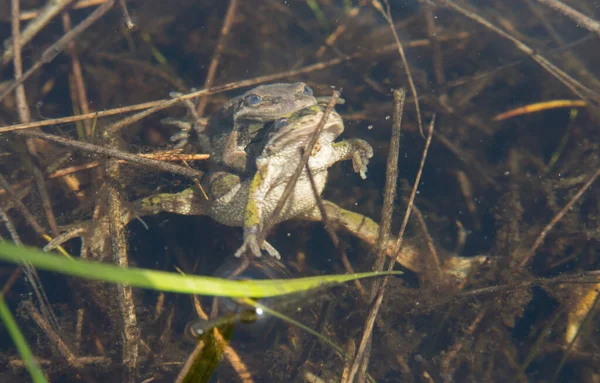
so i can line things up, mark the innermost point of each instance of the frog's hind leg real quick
(94, 233)
(412, 257)
(187, 202)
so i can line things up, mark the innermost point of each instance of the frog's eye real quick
(279, 124)
(307, 91)
(252, 99)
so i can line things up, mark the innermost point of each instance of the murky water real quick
(499, 281)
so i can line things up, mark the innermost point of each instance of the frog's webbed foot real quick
(252, 247)
(358, 150)
(192, 121)
(360, 156)
(181, 138)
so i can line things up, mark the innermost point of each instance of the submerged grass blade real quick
(15, 333)
(171, 282)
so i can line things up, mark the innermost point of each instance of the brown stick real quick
(114, 153)
(578, 17)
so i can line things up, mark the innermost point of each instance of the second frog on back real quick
(240, 120)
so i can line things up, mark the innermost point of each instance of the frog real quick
(229, 196)
(240, 120)
(246, 202)
(279, 159)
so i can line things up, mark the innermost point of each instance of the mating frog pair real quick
(236, 199)
(248, 202)
(244, 137)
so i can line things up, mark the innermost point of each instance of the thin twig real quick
(43, 17)
(128, 22)
(289, 188)
(114, 153)
(77, 73)
(387, 15)
(214, 63)
(331, 232)
(429, 242)
(578, 17)
(56, 48)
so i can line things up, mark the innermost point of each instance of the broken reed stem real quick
(130, 333)
(214, 62)
(540, 239)
(289, 188)
(376, 303)
(391, 181)
(389, 195)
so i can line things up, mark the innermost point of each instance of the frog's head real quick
(269, 102)
(296, 130)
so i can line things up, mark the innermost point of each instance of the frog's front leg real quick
(356, 149)
(254, 216)
(234, 156)
(234, 153)
(182, 138)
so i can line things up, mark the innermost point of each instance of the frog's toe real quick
(181, 124)
(271, 250)
(359, 163)
(250, 245)
(180, 139)
(360, 157)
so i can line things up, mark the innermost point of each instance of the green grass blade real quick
(13, 329)
(170, 282)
